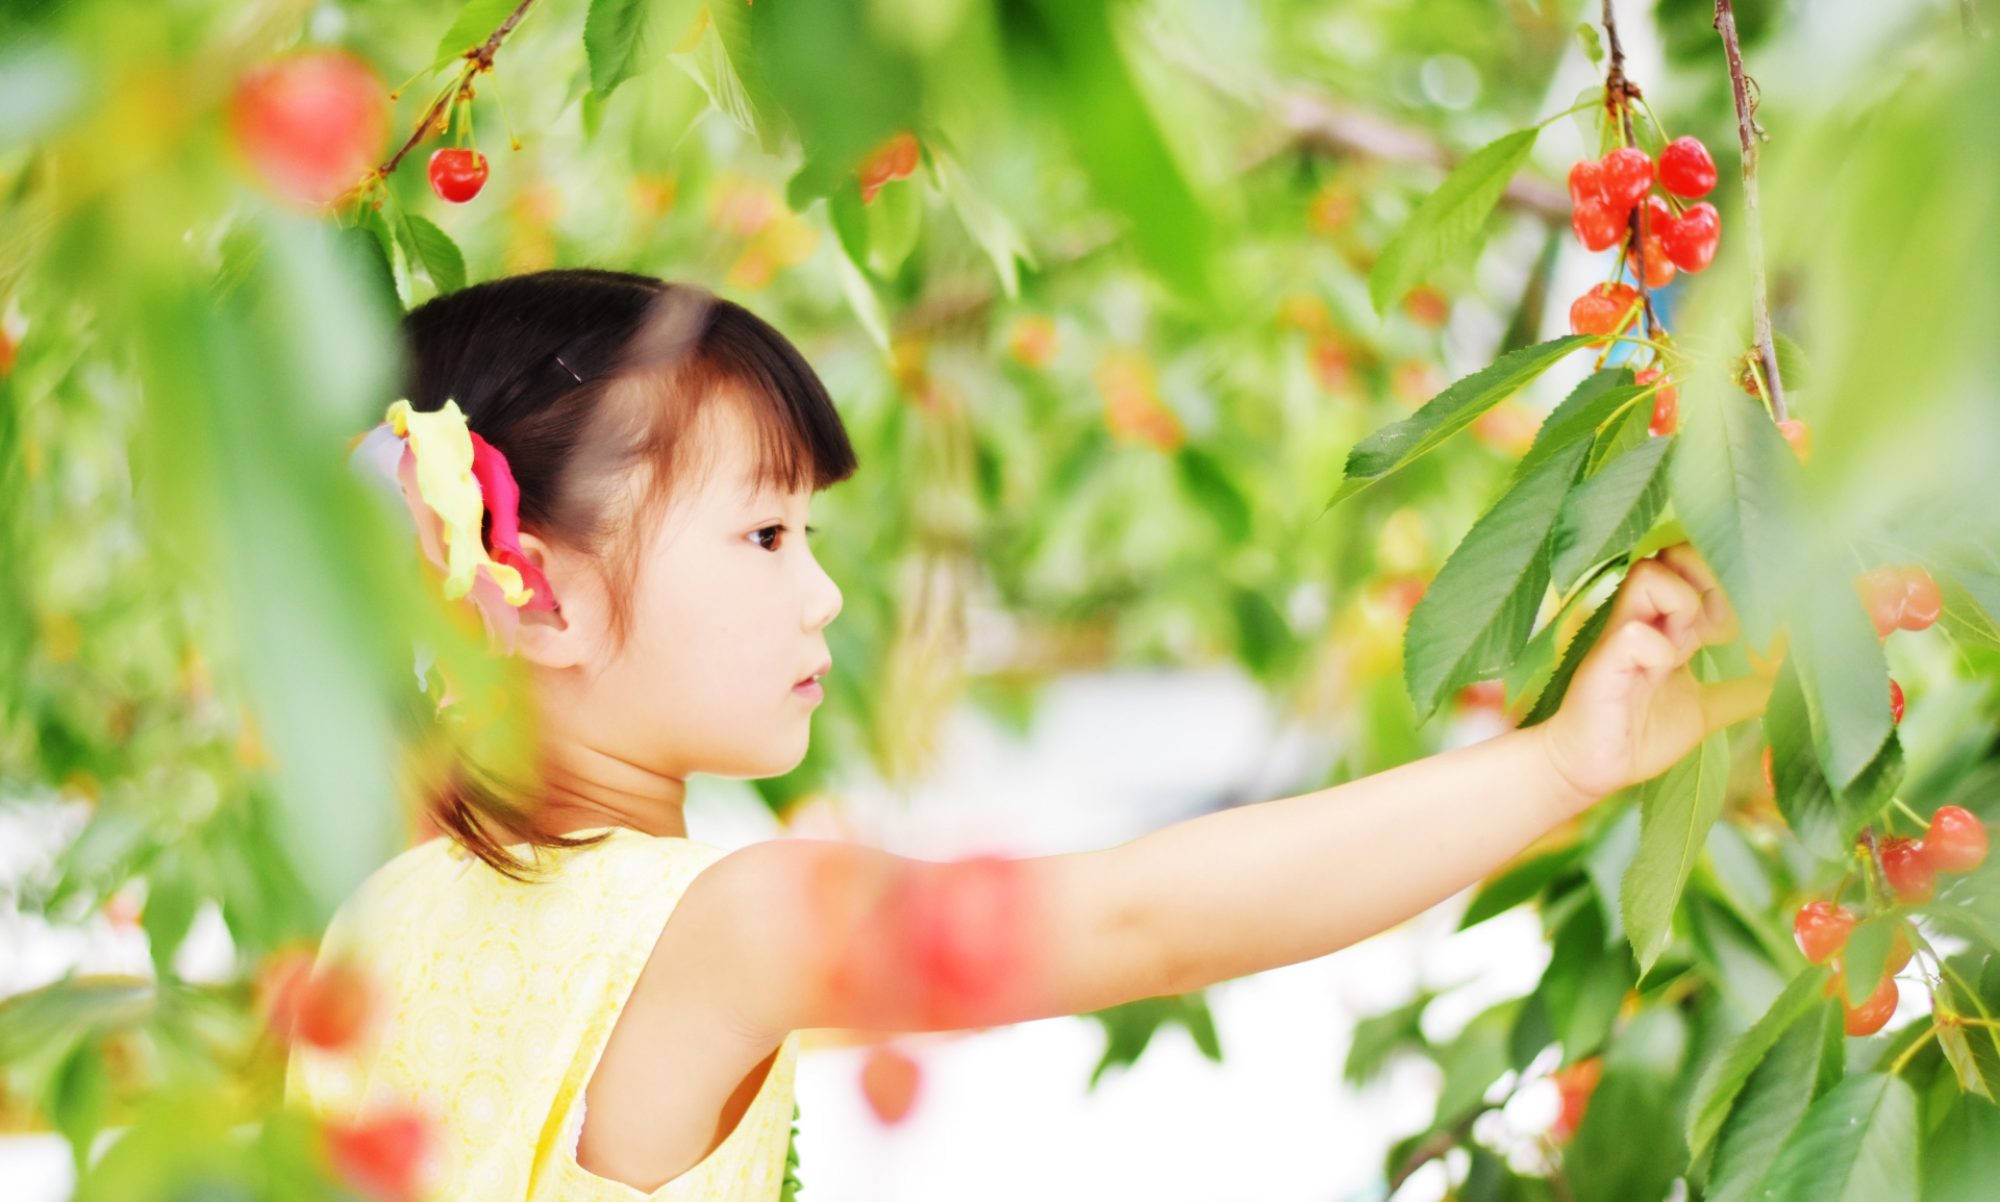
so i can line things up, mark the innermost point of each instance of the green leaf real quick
(617, 37)
(1379, 1037)
(1449, 220)
(1845, 679)
(1866, 954)
(721, 61)
(1676, 808)
(1586, 33)
(1479, 610)
(895, 217)
(1808, 803)
(1971, 595)
(1395, 446)
(1579, 645)
(1603, 515)
(989, 225)
(430, 246)
(1588, 406)
(1066, 58)
(1773, 1100)
(1212, 486)
(1734, 483)
(1858, 1143)
(1608, 1162)
(1961, 1153)
(1970, 1067)
(1583, 986)
(474, 24)
(79, 1098)
(1517, 884)
(1723, 1078)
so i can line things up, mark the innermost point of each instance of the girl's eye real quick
(770, 529)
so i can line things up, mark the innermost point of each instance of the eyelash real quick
(809, 530)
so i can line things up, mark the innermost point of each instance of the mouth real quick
(812, 679)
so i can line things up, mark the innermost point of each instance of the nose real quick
(826, 600)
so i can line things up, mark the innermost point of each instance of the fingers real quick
(1655, 594)
(1727, 702)
(1718, 623)
(1676, 591)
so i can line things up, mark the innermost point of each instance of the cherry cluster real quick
(1954, 842)
(1603, 193)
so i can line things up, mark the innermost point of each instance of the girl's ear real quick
(559, 639)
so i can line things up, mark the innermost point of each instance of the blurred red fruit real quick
(1956, 840)
(1908, 868)
(311, 124)
(380, 1155)
(1821, 929)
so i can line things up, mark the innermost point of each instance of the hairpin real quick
(450, 479)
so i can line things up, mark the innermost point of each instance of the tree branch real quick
(1619, 92)
(477, 59)
(1749, 134)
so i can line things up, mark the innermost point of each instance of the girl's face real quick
(729, 612)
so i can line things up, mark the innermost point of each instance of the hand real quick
(1633, 709)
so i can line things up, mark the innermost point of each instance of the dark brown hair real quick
(588, 381)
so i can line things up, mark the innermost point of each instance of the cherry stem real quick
(1747, 133)
(1912, 1050)
(1619, 92)
(1922, 822)
(1575, 108)
(477, 59)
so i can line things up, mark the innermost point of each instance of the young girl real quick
(617, 471)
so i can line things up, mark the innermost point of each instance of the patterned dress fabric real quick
(495, 998)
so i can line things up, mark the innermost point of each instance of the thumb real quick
(1727, 702)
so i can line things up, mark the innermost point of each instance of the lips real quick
(822, 670)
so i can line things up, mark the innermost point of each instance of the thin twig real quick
(1619, 93)
(1749, 134)
(477, 59)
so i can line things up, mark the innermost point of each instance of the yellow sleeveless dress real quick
(495, 999)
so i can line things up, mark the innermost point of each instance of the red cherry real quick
(1628, 175)
(1821, 929)
(1871, 1015)
(1666, 413)
(1799, 435)
(1922, 603)
(1908, 868)
(457, 174)
(889, 1080)
(1597, 227)
(311, 123)
(1895, 701)
(1660, 269)
(1650, 374)
(1602, 309)
(1956, 840)
(1575, 1083)
(1586, 184)
(1691, 241)
(380, 1154)
(1883, 591)
(1685, 167)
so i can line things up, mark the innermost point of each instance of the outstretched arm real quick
(819, 933)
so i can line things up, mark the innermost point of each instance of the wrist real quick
(1571, 796)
